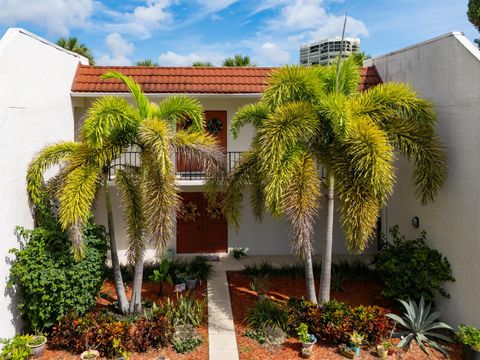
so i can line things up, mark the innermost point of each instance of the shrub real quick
(49, 281)
(470, 336)
(336, 321)
(267, 313)
(16, 348)
(238, 253)
(199, 266)
(410, 268)
(108, 334)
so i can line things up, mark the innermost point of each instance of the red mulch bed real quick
(357, 292)
(150, 292)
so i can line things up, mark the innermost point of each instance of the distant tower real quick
(325, 51)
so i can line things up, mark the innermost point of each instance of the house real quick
(46, 90)
(221, 91)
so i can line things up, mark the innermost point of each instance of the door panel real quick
(200, 230)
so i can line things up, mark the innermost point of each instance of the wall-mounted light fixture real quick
(416, 222)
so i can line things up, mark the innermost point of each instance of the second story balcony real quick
(185, 169)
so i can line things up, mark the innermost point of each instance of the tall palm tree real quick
(311, 116)
(238, 60)
(148, 191)
(74, 45)
(146, 62)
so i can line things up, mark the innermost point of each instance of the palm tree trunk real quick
(136, 300)
(311, 295)
(325, 279)
(117, 274)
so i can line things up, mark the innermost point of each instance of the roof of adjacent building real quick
(191, 80)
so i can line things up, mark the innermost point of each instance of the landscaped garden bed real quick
(150, 293)
(354, 292)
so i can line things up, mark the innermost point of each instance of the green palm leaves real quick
(311, 116)
(148, 191)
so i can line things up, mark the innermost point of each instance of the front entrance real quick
(200, 229)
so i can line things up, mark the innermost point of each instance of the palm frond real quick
(301, 203)
(49, 156)
(290, 83)
(238, 180)
(175, 110)
(110, 119)
(253, 114)
(156, 136)
(141, 100)
(129, 183)
(76, 198)
(161, 201)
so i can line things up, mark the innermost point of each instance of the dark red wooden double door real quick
(200, 228)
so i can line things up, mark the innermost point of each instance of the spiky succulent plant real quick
(420, 324)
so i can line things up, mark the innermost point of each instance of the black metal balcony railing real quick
(185, 169)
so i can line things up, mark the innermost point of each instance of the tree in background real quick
(473, 14)
(202, 64)
(146, 62)
(238, 60)
(148, 191)
(74, 45)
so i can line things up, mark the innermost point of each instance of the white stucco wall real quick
(446, 70)
(267, 238)
(35, 110)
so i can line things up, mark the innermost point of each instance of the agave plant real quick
(420, 324)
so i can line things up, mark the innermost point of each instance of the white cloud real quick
(171, 58)
(143, 19)
(216, 5)
(312, 17)
(57, 16)
(270, 54)
(120, 50)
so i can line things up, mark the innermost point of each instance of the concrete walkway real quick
(222, 342)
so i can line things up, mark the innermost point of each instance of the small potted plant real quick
(238, 253)
(383, 349)
(356, 339)
(346, 351)
(37, 344)
(89, 354)
(191, 281)
(469, 336)
(259, 285)
(307, 339)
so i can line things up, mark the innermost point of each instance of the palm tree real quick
(146, 62)
(202, 64)
(238, 60)
(311, 116)
(74, 45)
(148, 191)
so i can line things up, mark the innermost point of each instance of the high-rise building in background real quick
(326, 51)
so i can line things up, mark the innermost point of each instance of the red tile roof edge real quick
(211, 80)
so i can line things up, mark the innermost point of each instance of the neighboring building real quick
(35, 110)
(445, 70)
(326, 51)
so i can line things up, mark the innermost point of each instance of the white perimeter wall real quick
(267, 238)
(35, 110)
(446, 70)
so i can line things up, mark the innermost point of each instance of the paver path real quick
(222, 342)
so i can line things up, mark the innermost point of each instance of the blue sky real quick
(178, 32)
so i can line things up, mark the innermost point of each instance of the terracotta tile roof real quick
(214, 80)
(369, 78)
